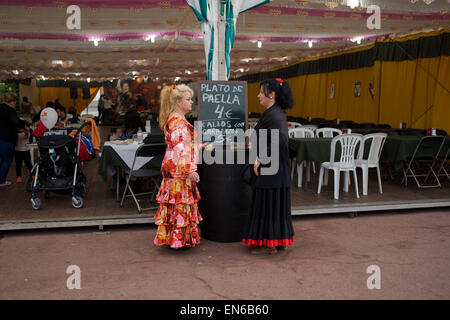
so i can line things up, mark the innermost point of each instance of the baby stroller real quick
(59, 169)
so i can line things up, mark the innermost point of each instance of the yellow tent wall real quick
(412, 91)
(63, 95)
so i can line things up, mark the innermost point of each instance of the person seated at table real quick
(133, 122)
(62, 115)
(73, 115)
(118, 135)
(130, 133)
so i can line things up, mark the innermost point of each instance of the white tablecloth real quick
(127, 152)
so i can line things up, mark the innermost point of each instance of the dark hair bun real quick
(283, 93)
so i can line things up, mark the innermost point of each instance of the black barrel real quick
(225, 201)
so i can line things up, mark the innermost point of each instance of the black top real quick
(9, 124)
(133, 121)
(274, 118)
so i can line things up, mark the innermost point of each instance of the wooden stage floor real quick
(101, 208)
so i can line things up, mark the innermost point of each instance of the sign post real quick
(223, 114)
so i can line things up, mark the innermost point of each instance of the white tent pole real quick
(214, 27)
(221, 23)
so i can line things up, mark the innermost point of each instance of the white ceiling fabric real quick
(33, 35)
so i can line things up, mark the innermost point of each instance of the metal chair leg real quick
(125, 190)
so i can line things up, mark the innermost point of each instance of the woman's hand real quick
(256, 166)
(194, 176)
(204, 146)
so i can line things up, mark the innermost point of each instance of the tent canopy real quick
(35, 41)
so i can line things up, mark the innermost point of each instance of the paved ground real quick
(328, 260)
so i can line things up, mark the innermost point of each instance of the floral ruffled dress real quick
(178, 216)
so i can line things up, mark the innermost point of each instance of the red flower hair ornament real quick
(280, 81)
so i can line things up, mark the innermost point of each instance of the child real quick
(90, 140)
(130, 133)
(22, 152)
(118, 135)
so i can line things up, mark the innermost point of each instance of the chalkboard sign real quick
(222, 110)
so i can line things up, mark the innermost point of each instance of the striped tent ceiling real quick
(35, 40)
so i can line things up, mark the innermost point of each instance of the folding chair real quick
(426, 153)
(146, 150)
(443, 163)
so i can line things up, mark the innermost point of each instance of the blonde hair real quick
(169, 97)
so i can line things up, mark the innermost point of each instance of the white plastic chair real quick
(292, 125)
(327, 132)
(252, 123)
(373, 158)
(312, 127)
(346, 163)
(301, 133)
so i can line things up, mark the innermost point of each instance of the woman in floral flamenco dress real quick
(178, 216)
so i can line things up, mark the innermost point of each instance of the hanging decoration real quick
(357, 89)
(371, 91)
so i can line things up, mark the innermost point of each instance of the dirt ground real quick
(331, 258)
